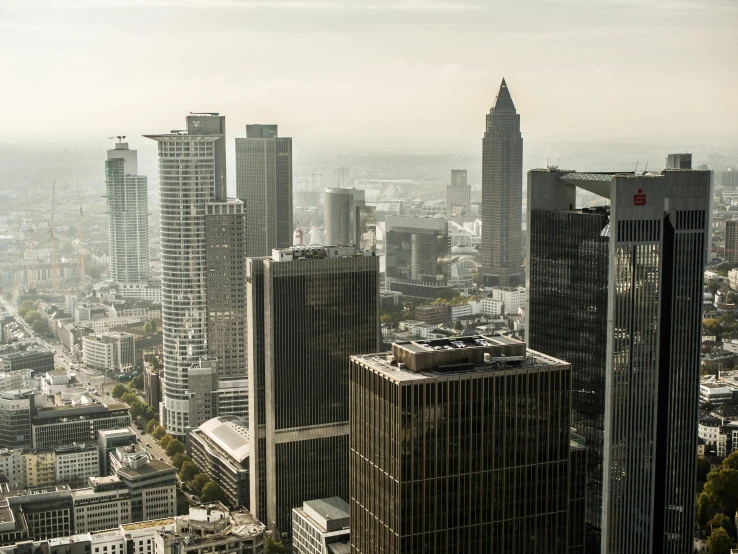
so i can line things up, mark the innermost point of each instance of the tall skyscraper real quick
(264, 183)
(187, 176)
(458, 197)
(226, 287)
(463, 445)
(320, 306)
(617, 292)
(128, 216)
(341, 214)
(502, 194)
(212, 124)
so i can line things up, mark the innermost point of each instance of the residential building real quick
(104, 504)
(19, 379)
(512, 298)
(434, 314)
(225, 233)
(416, 251)
(733, 278)
(40, 360)
(443, 434)
(111, 351)
(75, 463)
(187, 179)
(264, 183)
(12, 468)
(153, 488)
(220, 448)
(57, 425)
(458, 197)
(491, 307)
(128, 216)
(320, 305)
(141, 291)
(321, 527)
(637, 356)
(502, 194)
(40, 468)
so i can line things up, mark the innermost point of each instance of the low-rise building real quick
(12, 469)
(220, 448)
(714, 394)
(112, 351)
(77, 424)
(322, 527)
(37, 514)
(153, 487)
(512, 298)
(19, 379)
(75, 463)
(40, 468)
(491, 307)
(104, 504)
(434, 314)
(40, 360)
(53, 382)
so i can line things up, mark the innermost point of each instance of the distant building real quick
(304, 453)
(109, 440)
(340, 215)
(714, 394)
(220, 448)
(731, 241)
(502, 194)
(128, 216)
(264, 183)
(75, 463)
(152, 386)
(462, 420)
(458, 197)
(321, 527)
(434, 314)
(76, 424)
(16, 409)
(111, 351)
(36, 514)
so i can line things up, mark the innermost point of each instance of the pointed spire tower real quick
(502, 194)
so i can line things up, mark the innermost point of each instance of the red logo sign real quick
(639, 199)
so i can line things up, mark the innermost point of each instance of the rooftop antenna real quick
(646, 169)
(636, 168)
(119, 137)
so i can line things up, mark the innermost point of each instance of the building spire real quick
(504, 100)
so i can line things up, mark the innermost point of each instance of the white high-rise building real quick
(187, 179)
(128, 216)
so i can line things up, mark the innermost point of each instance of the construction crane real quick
(31, 255)
(81, 240)
(54, 265)
(314, 175)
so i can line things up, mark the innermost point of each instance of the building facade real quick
(225, 235)
(57, 425)
(731, 241)
(16, 407)
(320, 306)
(321, 527)
(40, 360)
(111, 351)
(75, 463)
(264, 183)
(502, 194)
(187, 177)
(461, 445)
(128, 216)
(104, 504)
(341, 215)
(153, 488)
(618, 292)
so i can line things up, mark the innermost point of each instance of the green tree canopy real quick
(731, 462)
(159, 432)
(165, 440)
(720, 542)
(719, 520)
(198, 482)
(174, 447)
(138, 382)
(730, 298)
(151, 426)
(188, 471)
(274, 545)
(703, 468)
(118, 391)
(39, 327)
(147, 327)
(211, 492)
(179, 459)
(720, 495)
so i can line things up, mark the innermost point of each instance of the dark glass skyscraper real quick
(463, 445)
(320, 306)
(617, 291)
(502, 194)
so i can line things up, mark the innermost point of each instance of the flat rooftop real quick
(427, 359)
(152, 467)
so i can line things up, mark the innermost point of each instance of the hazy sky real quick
(354, 73)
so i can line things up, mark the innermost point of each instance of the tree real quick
(719, 495)
(188, 471)
(151, 426)
(730, 298)
(174, 447)
(39, 327)
(458, 325)
(703, 468)
(211, 492)
(731, 462)
(118, 391)
(719, 520)
(138, 409)
(147, 327)
(179, 459)
(129, 397)
(385, 318)
(198, 482)
(159, 432)
(720, 542)
(274, 546)
(712, 325)
(165, 440)
(153, 325)
(138, 382)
